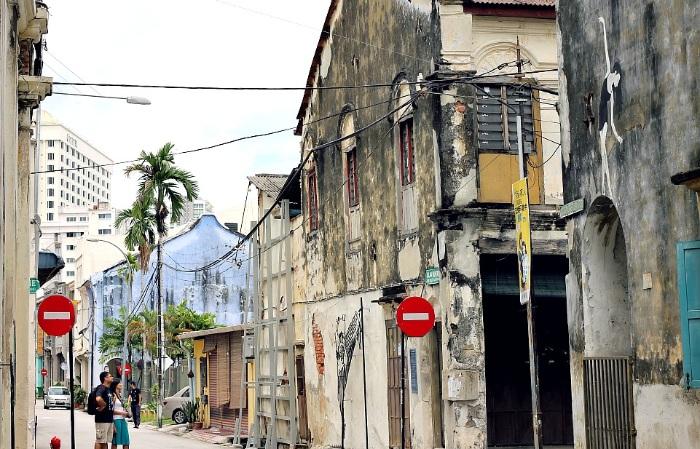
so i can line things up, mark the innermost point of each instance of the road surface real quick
(57, 422)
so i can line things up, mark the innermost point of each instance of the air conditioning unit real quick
(249, 346)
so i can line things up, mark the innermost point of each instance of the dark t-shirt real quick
(134, 394)
(107, 414)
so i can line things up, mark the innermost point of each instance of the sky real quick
(207, 42)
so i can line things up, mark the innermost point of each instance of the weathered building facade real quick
(411, 179)
(630, 109)
(23, 24)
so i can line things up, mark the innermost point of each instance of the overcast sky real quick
(207, 42)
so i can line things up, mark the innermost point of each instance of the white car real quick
(57, 397)
(173, 405)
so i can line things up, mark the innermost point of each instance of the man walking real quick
(135, 394)
(104, 412)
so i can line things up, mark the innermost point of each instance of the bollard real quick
(55, 443)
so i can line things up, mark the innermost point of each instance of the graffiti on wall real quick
(606, 111)
(346, 340)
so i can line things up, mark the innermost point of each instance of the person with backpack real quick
(101, 405)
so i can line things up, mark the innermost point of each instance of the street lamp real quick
(131, 100)
(128, 304)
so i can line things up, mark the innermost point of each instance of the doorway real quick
(508, 398)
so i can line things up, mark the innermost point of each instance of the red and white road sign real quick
(127, 370)
(56, 315)
(415, 316)
(44, 373)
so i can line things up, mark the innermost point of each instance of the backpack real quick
(92, 402)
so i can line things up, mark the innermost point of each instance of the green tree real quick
(139, 224)
(166, 187)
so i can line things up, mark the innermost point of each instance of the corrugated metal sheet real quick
(516, 2)
(269, 183)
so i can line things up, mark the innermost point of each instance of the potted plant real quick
(199, 419)
(191, 409)
(79, 396)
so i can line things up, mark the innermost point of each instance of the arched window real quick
(350, 174)
(405, 157)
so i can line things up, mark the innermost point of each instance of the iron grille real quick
(608, 400)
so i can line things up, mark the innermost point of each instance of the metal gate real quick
(609, 403)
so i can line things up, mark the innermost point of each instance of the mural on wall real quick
(606, 111)
(345, 341)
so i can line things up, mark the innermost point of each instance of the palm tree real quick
(161, 184)
(139, 222)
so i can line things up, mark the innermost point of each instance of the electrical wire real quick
(220, 144)
(284, 188)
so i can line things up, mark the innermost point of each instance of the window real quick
(61, 158)
(408, 169)
(312, 185)
(70, 247)
(83, 218)
(72, 152)
(70, 259)
(73, 234)
(104, 216)
(50, 156)
(353, 188)
(104, 231)
(49, 216)
(70, 273)
(49, 192)
(71, 219)
(50, 143)
(50, 180)
(49, 204)
(689, 292)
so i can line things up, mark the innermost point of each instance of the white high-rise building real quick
(74, 196)
(78, 179)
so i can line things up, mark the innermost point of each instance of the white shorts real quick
(104, 432)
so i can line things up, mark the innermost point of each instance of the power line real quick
(209, 147)
(282, 88)
(286, 185)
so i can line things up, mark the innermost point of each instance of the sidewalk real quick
(213, 436)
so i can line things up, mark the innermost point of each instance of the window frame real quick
(353, 186)
(692, 379)
(407, 157)
(312, 202)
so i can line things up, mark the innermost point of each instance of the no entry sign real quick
(56, 315)
(44, 372)
(415, 316)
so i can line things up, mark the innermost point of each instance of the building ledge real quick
(32, 90)
(38, 25)
(499, 216)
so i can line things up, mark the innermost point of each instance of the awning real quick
(49, 266)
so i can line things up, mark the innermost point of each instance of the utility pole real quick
(159, 306)
(532, 340)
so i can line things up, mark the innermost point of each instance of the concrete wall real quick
(652, 48)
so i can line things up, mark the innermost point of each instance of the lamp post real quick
(131, 100)
(128, 304)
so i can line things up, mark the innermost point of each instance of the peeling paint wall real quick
(628, 135)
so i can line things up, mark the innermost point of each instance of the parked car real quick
(172, 405)
(57, 397)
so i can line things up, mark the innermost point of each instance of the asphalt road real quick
(55, 422)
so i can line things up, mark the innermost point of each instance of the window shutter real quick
(236, 370)
(689, 292)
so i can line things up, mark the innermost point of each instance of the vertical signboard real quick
(521, 208)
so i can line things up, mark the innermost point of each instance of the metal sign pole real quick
(532, 340)
(72, 398)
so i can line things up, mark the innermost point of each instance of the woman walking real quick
(121, 430)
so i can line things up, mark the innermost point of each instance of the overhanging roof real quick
(49, 266)
(214, 331)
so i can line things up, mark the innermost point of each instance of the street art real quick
(611, 85)
(345, 341)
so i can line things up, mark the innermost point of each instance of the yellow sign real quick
(523, 249)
